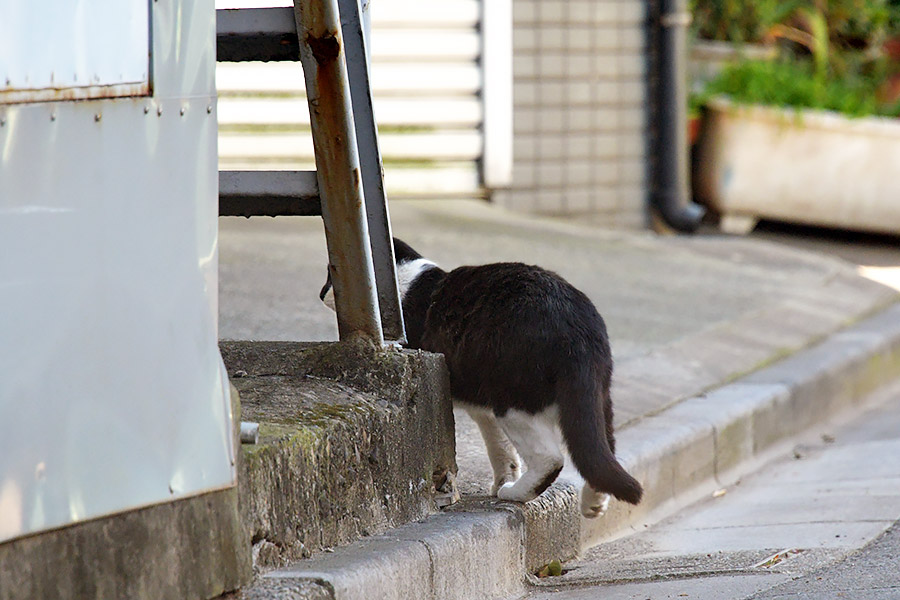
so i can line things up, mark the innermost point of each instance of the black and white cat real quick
(528, 356)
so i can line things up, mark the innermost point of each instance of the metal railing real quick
(329, 39)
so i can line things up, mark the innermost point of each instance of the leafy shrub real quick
(739, 21)
(796, 84)
(831, 53)
(850, 22)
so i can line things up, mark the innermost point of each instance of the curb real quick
(484, 549)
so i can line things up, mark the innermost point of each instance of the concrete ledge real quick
(681, 449)
(353, 441)
(189, 548)
(422, 561)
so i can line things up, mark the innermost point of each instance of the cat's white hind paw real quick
(509, 491)
(593, 504)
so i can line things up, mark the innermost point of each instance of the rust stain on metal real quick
(329, 105)
(71, 94)
(325, 48)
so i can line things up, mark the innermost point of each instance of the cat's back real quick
(507, 295)
(497, 284)
(513, 328)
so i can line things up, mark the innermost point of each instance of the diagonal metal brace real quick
(356, 49)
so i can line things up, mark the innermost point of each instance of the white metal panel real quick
(73, 49)
(113, 390)
(278, 113)
(456, 180)
(426, 45)
(394, 12)
(413, 13)
(410, 79)
(432, 145)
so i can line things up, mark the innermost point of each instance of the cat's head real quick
(404, 257)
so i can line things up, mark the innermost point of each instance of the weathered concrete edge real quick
(420, 560)
(673, 452)
(188, 548)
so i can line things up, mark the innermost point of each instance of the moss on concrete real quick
(352, 438)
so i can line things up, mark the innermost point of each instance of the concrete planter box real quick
(809, 167)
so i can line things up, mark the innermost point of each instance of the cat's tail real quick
(584, 428)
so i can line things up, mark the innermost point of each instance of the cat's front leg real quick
(500, 451)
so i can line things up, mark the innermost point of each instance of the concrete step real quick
(483, 548)
(353, 441)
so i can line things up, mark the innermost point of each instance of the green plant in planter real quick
(796, 84)
(831, 58)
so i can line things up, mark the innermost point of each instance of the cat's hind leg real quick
(593, 503)
(500, 451)
(537, 441)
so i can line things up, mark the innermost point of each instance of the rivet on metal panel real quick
(159, 111)
(52, 116)
(182, 111)
(97, 117)
(171, 489)
(146, 110)
(209, 109)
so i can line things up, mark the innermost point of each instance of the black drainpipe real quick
(669, 196)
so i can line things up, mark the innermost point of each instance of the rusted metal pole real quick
(338, 170)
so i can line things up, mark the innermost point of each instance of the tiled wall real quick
(580, 110)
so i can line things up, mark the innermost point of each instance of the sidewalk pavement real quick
(810, 525)
(724, 347)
